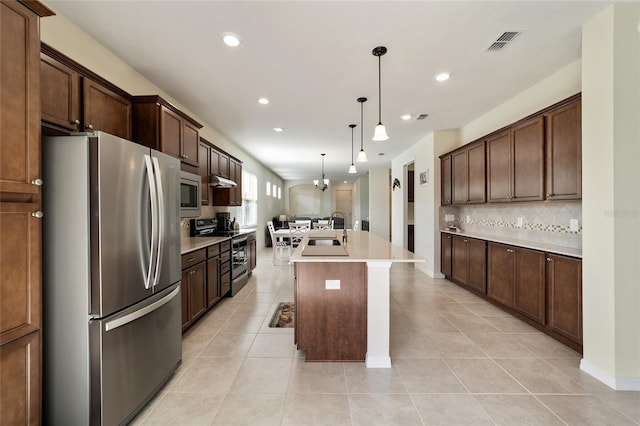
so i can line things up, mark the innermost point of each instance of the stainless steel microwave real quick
(190, 194)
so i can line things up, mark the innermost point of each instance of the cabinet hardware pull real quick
(549, 259)
(76, 121)
(509, 250)
(37, 214)
(466, 241)
(37, 182)
(191, 259)
(89, 126)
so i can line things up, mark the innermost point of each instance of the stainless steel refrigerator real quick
(111, 277)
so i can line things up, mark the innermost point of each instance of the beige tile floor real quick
(457, 360)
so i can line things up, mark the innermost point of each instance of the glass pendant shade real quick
(362, 156)
(352, 168)
(316, 182)
(380, 133)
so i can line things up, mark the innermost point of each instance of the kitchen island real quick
(342, 296)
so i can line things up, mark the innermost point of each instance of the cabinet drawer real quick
(225, 257)
(225, 267)
(194, 257)
(225, 283)
(213, 250)
(225, 246)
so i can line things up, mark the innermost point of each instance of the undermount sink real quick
(323, 242)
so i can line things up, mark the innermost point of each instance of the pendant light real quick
(352, 167)
(325, 182)
(380, 133)
(362, 156)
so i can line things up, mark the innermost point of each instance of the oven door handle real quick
(239, 240)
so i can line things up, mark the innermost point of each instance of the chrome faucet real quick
(344, 217)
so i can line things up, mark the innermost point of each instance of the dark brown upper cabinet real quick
(160, 125)
(445, 170)
(564, 152)
(74, 98)
(468, 174)
(515, 163)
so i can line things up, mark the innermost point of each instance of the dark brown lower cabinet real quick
(21, 380)
(516, 278)
(564, 296)
(213, 281)
(469, 262)
(446, 244)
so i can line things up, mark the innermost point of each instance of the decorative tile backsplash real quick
(545, 221)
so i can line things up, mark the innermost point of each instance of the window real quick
(275, 188)
(268, 188)
(279, 193)
(247, 214)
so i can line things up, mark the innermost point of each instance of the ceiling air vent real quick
(422, 116)
(502, 41)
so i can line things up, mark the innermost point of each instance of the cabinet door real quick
(190, 144)
(106, 110)
(445, 170)
(500, 273)
(171, 133)
(20, 376)
(564, 296)
(476, 174)
(459, 186)
(238, 180)
(197, 290)
(59, 94)
(499, 165)
(446, 248)
(214, 162)
(253, 252)
(184, 292)
(528, 160)
(213, 281)
(223, 165)
(19, 100)
(477, 264)
(20, 270)
(564, 153)
(203, 171)
(459, 271)
(529, 297)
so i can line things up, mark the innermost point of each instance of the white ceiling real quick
(312, 59)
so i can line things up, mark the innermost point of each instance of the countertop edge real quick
(549, 248)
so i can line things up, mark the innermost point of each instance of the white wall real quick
(379, 207)
(61, 34)
(611, 196)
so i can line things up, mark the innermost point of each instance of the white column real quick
(378, 276)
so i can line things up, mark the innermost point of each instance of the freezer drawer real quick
(135, 353)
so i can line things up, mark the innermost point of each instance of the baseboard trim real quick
(616, 383)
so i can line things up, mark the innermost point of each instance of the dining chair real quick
(323, 225)
(297, 231)
(279, 246)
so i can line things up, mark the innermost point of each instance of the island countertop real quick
(361, 246)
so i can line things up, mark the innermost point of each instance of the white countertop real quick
(361, 246)
(550, 248)
(190, 244)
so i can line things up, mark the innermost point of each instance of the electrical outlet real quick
(573, 225)
(519, 222)
(332, 284)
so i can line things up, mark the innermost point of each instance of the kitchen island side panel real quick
(332, 323)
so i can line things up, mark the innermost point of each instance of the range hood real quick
(220, 182)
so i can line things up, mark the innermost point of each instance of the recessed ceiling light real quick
(230, 39)
(380, 154)
(263, 101)
(278, 129)
(406, 117)
(443, 76)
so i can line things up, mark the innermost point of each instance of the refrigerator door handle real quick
(154, 222)
(119, 322)
(161, 220)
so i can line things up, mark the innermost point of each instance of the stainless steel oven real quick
(239, 263)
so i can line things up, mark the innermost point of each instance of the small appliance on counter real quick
(224, 221)
(222, 226)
